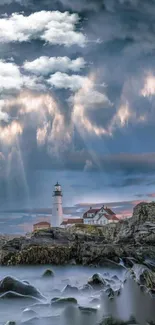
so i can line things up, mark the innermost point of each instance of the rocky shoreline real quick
(128, 245)
(87, 245)
(98, 289)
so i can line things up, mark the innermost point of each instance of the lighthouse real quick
(57, 212)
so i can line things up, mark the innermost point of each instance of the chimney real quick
(90, 208)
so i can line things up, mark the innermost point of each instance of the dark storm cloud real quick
(127, 164)
(129, 181)
(120, 50)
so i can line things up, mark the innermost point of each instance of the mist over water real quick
(132, 301)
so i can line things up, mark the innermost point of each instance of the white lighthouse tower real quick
(57, 212)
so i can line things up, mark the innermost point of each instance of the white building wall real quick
(94, 221)
(102, 221)
(57, 211)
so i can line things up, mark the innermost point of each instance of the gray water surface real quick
(132, 301)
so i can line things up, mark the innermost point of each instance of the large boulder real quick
(86, 288)
(110, 293)
(143, 276)
(11, 284)
(16, 296)
(62, 302)
(87, 310)
(28, 314)
(97, 281)
(48, 273)
(70, 290)
(113, 321)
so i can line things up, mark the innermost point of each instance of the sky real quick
(77, 104)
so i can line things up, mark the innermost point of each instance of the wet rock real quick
(97, 281)
(118, 292)
(129, 261)
(39, 306)
(95, 301)
(11, 284)
(106, 275)
(110, 293)
(147, 278)
(55, 299)
(152, 293)
(110, 281)
(87, 310)
(48, 273)
(144, 276)
(87, 288)
(68, 290)
(15, 295)
(33, 321)
(115, 278)
(112, 321)
(10, 323)
(111, 263)
(63, 301)
(28, 314)
(132, 320)
(150, 264)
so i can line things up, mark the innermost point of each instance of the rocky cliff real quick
(87, 245)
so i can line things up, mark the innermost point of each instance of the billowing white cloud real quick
(33, 83)
(10, 76)
(64, 81)
(45, 65)
(53, 27)
(12, 79)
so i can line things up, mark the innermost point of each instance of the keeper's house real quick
(100, 216)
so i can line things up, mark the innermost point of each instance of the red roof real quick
(109, 211)
(42, 223)
(91, 211)
(72, 221)
(110, 216)
(115, 218)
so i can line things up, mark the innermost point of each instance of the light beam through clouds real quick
(149, 86)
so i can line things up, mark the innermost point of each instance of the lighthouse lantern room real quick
(57, 212)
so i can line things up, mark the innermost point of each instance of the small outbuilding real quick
(41, 225)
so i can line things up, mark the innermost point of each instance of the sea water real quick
(131, 301)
